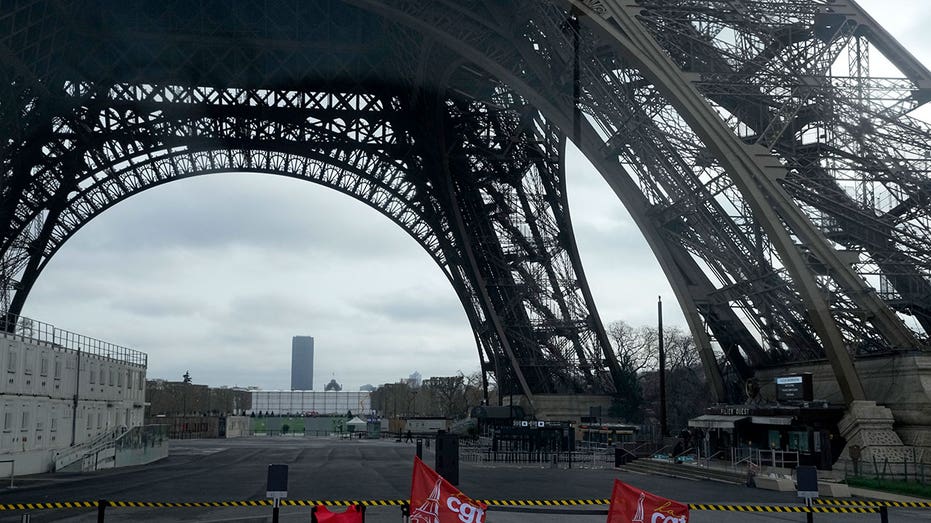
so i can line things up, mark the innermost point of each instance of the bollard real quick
(27, 518)
(101, 510)
(884, 514)
(419, 448)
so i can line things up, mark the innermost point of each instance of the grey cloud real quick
(272, 311)
(136, 303)
(417, 306)
(261, 211)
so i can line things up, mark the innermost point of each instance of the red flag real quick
(632, 505)
(434, 500)
(351, 515)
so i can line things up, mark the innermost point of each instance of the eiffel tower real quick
(429, 510)
(782, 184)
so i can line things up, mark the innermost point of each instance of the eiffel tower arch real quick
(781, 182)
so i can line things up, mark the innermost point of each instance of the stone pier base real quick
(868, 426)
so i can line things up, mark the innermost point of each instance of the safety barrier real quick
(888, 504)
(821, 506)
(530, 506)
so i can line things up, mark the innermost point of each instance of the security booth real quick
(775, 435)
(791, 435)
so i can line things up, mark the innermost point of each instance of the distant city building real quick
(302, 363)
(414, 380)
(368, 387)
(310, 403)
(332, 386)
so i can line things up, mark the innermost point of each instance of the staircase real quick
(102, 449)
(684, 471)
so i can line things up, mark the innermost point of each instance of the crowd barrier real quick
(820, 505)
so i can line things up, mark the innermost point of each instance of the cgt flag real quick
(434, 500)
(632, 505)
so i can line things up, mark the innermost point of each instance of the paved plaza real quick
(226, 470)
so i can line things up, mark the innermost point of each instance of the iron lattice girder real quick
(786, 249)
(554, 98)
(531, 71)
(748, 85)
(733, 265)
(526, 265)
(554, 95)
(139, 142)
(132, 137)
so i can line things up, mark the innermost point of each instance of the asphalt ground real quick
(232, 470)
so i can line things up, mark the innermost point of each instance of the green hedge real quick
(897, 487)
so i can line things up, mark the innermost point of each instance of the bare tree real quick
(474, 393)
(637, 350)
(635, 347)
(634, 353)
(448, 394)
(687, 392)
(395, 400)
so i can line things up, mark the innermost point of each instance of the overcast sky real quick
(215, 274)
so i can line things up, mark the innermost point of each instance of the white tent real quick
(356, 424)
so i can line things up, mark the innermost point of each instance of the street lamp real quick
(663, 429)
(186, 380)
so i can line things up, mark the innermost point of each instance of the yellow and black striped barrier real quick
(877, 504)
(821, 506)
(785, 508)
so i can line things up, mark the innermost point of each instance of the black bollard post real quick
(884, 514)
(101, 510)
(419, 448)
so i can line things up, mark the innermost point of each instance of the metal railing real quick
(34, 330)
(642, 450)
(78, 452)
(764, 457)
(706, 461)
(579, 459)
(914, 470)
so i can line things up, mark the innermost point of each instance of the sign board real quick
(729, 410)
(807, 481)
(535, 424)
(277, 482)
(794, 388)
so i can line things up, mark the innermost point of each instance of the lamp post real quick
(664, 430)
(186, 380)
